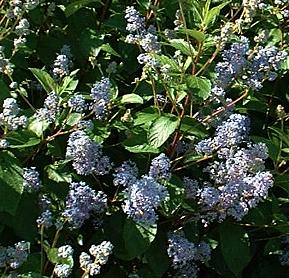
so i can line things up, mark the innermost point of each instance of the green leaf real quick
(68, 85)
(200, 86)
(76, 5)
(5, 92)
(73, 119)
(213, 13)
(146, 116)
(138, 143)
(235, 247)
(161, 130)
(157, 255)
(38, 126)
(137, 237)
(22, 139)
(198, 35)
(183, 46)
(59, 171)
(23, 221)
(11, 182)
(131, 98)
(52, 255)
(44, 79)
(176, 196)
(107, 48)
(193, 127)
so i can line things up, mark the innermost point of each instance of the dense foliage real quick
(144, 138)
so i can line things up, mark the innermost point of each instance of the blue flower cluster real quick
(160, 168)
(252, 66)
(63, 269)
(185, 255)
(229, 133)
(81, 202)
(9, 117)
(86, 155)
(77, 103)
(50, 108)
(239, 181)
(63, 63)
(264, 64)
(31, 180)
(100, 94)
(143, 197)
(100, 253)
(145, 37)
(15, 256)
(17, 8)
(126, 174)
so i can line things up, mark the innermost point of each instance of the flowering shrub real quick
(144, 138)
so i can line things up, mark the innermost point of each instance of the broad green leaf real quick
(138, 143)
(200, 86)
(161, 130)
(157, 255)
(198, 35)
(23, 221)
(213, 13)
(146, 116)
(176, 196)
(59, 172)
(235, 246)
(4, 90)
(11, 182)
(52, 255)
(165, 60)
(38, 126)
(44, 79)
(131, 98)
(183, 46)
(22, 139)
(107, 48)
(73, 119)
(137, 237)
(90, 42)
(76, 5)
(68, 85)
(193, 127)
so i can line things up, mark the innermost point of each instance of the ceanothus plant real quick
(144, 138)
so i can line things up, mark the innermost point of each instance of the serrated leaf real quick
(161, 130)
(235, 247)
(200, 86)
(137, 237)
(44, 79)
(11, 182)
(131, 98)
(76, 5)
